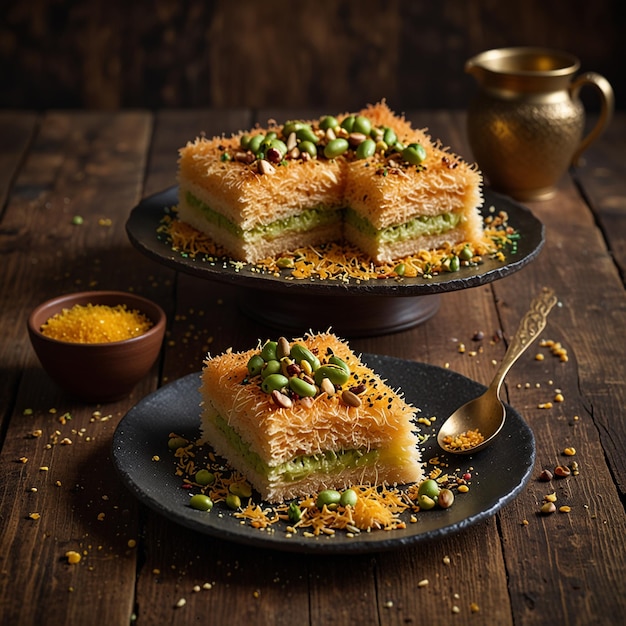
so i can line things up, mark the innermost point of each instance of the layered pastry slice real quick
(368, 178)
(255, 209)
(295, 418)
(419, 198)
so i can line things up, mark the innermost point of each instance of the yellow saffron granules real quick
(96, 323)
(464, 441)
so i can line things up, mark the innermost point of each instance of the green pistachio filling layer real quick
(299, 467)
(315, 217)
(416, 227)
(305, 221)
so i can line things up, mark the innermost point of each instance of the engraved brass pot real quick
(525, 124)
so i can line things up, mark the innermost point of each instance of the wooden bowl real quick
(98, 372)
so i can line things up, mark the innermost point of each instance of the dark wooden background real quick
(338, 54)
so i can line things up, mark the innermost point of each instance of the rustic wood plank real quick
(90, 165)
(173, 129)
(601, 178)
(228, 582)
(593, 377)
(82, 507)
(592, 383)
(450, 579)
(16, 130)
(590, 318)
(328, 53)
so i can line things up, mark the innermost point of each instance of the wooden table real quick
(516, 567)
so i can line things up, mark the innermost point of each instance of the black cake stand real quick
(351, 308)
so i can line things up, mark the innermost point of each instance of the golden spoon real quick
(484, 416)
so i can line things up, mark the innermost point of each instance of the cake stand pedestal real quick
(346, 315)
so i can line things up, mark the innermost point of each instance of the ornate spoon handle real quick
(530, 326)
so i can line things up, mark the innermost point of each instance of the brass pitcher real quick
(525, 125)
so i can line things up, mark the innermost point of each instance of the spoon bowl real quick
(475, 425)
(481, 417)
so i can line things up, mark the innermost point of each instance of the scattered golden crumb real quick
(569, 451)
(156, 457)
(524, 522)
(565, 509)
(181, 603)
(539, 357)
(34, 515)
(131, 543)
(551, 497)
(556, 349)
(423, 583)
(474, 608)
(545, 405)
(73, 557)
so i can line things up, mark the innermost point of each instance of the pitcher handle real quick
(607, 101)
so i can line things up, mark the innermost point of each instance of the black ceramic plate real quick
(145, 218)
(499, 472)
